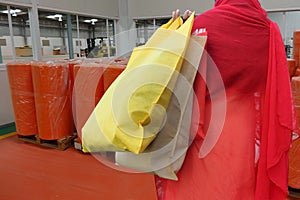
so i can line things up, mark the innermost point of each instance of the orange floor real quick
(31, 172)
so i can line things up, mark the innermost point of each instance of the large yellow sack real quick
(165, 155)
(132, 111)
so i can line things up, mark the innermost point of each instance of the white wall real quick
(108, 8)
(288, 22)
(140, 8)
(47, 50)
(146, 8)
(6, 109)
(97, 7)
(280, 4)
(6, 50)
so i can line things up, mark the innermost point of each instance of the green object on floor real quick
(7, 128)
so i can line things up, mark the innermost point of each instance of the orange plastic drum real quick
(72, 63)
(52, 99)
(20, 81)
(296, 47)
(88, 90)
(294, 153)
(111, 73)
(292, 66)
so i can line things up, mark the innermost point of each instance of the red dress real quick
(249, 159)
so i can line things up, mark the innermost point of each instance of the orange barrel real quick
(294, 153)
(72, 63)
(292, 66)
(20, 82)
(295, 85)
(294, 165)
(88, 90)
(52, 99)
(296, 47)
(111, 73)
(297, 72)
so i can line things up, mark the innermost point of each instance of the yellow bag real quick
(165, 155)
(132, 111)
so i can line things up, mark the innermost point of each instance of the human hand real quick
(176, 14)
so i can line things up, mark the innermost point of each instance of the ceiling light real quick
(92, 21)
(56, 16)
(12, 11)
(51, 17)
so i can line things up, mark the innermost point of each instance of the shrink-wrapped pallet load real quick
(52, 99)
(20, 82)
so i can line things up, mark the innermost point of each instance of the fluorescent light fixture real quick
(12, 11)
(56, 16)
(92, 21)
(51, 17)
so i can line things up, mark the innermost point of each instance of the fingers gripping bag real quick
(132, 111)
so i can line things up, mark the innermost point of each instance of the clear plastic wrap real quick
(52, 99)
(92, 78)
(20, 81)
(111, 73)
(88, 90)
(296, 47)
(294, 162)
(292, 67)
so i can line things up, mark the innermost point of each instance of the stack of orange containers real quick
(296, 48)
(111, 73)
(72, 64)
(297, 72)
(52, 98)
(88, 90)
(294, 153)
(292, 67)
(20, 81)
(113, 70)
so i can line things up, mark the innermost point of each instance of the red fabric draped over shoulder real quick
(247, 49)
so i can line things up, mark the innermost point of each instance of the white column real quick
(78, 36)
(285, 28)
(126, 34)
(11, 33)
(35, 31)
(108, 38)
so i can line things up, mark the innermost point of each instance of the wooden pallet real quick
(60, 144)
(294, 192)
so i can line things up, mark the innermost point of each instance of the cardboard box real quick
(23, 51)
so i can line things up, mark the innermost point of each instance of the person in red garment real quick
(250, 158)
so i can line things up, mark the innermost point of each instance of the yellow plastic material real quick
(132, 111)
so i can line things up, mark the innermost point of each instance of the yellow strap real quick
(176, 24)
(167, 24)
(187, 26)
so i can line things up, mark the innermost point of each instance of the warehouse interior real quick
(59, 33)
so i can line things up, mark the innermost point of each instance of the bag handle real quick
(186, 27)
